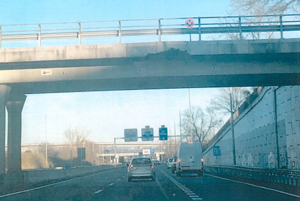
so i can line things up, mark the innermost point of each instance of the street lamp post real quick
(115, 151)
(46, 145)
(175, 135)
(180, 125)
(192, 136)
(232, 127)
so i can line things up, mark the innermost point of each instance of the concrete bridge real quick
(158, 65)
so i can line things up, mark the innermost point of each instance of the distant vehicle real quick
(170, 162)
(141, 167)
(156, 162)
(190, 159)
(173, 168)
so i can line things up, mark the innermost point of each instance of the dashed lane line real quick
(162, 190)
(265, 188)
(190, 194)
(182, 187)
(49, 185)
(98, 191)
(111, 184)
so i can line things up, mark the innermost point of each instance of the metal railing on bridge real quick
(235, 27)
(281, 176)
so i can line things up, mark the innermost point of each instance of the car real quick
(141, 167)
(173, 168)
(190, 159)
(170, 162)
(156, 162)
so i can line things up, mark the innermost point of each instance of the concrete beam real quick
(14, 105)
(3, 96)
(171, 69)
(226, 47)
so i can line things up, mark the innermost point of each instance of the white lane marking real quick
(162, 190)
(118, 179)
(265, 188)
(182, 187)
(41, 187)
(98, 191)
(111, 184)
(196, 198)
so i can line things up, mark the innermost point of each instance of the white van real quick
(190, 159)
(170, 162)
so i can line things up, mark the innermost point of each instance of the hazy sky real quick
(105, 114)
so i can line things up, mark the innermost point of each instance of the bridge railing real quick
(281, 176)
(234, 27)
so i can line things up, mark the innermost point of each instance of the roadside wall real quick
(256, 129)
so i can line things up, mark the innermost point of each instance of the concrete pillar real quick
(14, 105)
(3, 96)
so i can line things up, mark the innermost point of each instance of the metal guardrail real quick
(288, 177)
(238, 25)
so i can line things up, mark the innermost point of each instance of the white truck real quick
(190, 159)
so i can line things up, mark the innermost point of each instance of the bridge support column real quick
(3, 96)
(14, 105)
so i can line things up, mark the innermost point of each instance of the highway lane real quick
(214, 188)
(113, 185)
(142, 190)
(81, 188)
(109, 185)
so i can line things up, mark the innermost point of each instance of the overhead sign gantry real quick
(163, 133)
(147, 134)
(130, 135)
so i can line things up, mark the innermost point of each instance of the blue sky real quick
(105, 114)
(30, 11)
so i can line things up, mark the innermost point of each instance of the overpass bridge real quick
(148, 65)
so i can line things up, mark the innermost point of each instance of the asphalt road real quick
(113, 185)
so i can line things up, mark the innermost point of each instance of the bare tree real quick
(75, 137)
(262, 9)
(221, 102)
(199, 123)
(271, 7)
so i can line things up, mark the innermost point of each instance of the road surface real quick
(112, 185)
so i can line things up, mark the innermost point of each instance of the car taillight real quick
(179, 160)
(131, 167)
(202, 160)
(152, 166)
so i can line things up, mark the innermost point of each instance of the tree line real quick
(201, 124)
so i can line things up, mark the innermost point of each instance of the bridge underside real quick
(160, 71)
(170, 69)
(160, 83)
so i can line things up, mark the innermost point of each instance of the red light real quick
(152, 166)
(131, 167)
(202, 160)
(190, 142)
(179, 160)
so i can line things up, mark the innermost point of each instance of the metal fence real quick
(288, 177)
(235, 27)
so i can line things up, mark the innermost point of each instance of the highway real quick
(113, 185)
